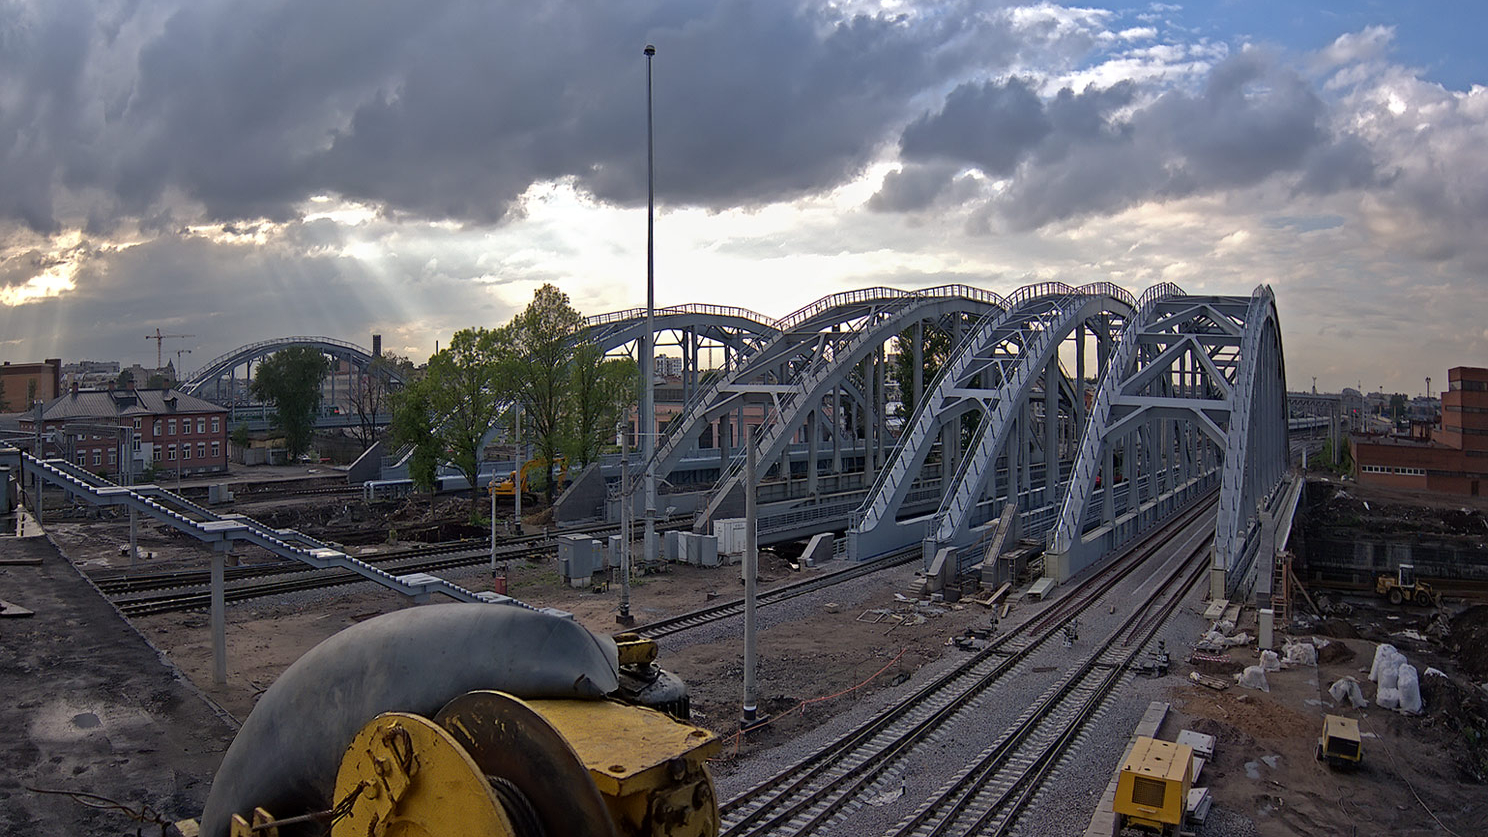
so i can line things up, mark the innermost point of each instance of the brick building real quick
(1454, 460)
(23, 384)
(173, 431)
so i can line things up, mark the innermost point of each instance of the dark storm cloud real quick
(448, 108)
(1096, 151)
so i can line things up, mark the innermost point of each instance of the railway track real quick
(987, 796)
(188, 589)
(724, 610)
(810, 795)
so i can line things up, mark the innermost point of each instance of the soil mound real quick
(1470, 638)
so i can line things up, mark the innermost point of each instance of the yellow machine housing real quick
(534, 471)
(1152, 788)
(492, 765)
(1340, 744)
(1405, 587)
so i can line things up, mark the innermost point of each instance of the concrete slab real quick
(92, 707)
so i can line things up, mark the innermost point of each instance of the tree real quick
(537, 366)
(936, 349)
(157, 381)
(290, 380)
(599, 392)
(459, 398)
(413, 424)
(125, 379)
(371, 394)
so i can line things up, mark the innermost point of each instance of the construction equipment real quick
(592, 747)
(534, 473)
(160, 339)
(1340, 745)
(1152, 787)
(1404, 587)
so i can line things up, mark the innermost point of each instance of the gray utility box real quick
(579, 557)
(697, 550)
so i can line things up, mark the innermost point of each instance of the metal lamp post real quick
(647, 347)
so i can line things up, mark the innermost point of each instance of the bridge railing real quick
(689, 308)
(263, 344)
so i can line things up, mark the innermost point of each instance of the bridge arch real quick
(206, 382)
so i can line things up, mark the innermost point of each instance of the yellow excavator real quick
(534, 471)
(469, 720)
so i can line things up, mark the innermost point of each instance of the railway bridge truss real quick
(1189, 399)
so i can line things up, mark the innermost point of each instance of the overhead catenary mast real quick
(648, 340)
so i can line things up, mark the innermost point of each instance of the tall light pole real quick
(647, 347)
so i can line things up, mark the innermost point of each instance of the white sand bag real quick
(1387, 698)
(1410, 690)
(1269, 661)
(1381, 653)
(1253, 677)
(1347, 688)
(1300, 654)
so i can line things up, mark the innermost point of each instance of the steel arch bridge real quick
(1007, 374)
(206, 382)
(1193, 398)
(822, 369)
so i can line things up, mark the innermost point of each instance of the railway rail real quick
(811, 794)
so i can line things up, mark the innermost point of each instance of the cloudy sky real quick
(246, 170)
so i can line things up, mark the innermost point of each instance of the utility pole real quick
(624, 617)
(751, 718)
(647, 347)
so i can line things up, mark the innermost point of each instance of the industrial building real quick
(172, 431)
(1453, 460)
(24, 384)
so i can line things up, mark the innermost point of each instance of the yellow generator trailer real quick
(1152, 788)
(1340, 745)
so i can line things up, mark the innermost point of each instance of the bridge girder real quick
(1194, 394)
(1005, 367)
(214, 369)
(815, 348)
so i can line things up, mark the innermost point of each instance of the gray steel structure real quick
(206, 382)
(1007, 373)
(1194, 395)
(821, 375)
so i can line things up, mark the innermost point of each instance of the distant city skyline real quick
(427, 168)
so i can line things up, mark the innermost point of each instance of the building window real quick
(136, 444)
(157, 428)
(201, 425)
(201, 450)
(82, 459)
(216, 449)
(137, 424)
(170, 453)
(113, 456)
(170, 427)
(216, 424)
(97, 457)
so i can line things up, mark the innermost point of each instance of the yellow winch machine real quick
(382, 731)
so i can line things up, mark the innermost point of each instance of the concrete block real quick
(613, 549)
(818, 549)
(672, 548)
(1266, 629)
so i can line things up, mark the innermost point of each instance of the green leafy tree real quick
(413, 424)
(157, 381)
(290, 380)
(239, 436)
(537, 366)
(125, 379)
(600, 391)
(463, 399)
(936, 350)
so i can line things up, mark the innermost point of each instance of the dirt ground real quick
(821, 658)
(1420, 775)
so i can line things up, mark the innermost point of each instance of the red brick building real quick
(170, 430)
(1455, 460)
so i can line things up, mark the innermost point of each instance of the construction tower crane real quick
(159, 341)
